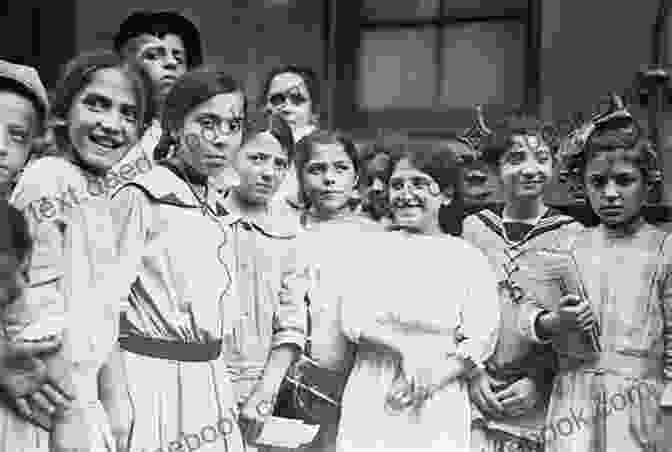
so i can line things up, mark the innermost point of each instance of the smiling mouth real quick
(216, 159)
(331, 194)
(106, 142)
(611, 210)
(408, 207)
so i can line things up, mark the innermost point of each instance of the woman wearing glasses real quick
(180, 303)
(421, 331)
(293, 92)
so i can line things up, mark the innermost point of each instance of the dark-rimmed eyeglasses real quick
(293, 95)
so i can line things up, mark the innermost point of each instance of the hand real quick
(573, 313)
(120, 416)
(480, 392)
(419, 369)
(71, 432)
(255, 411)
(24, 377)
(519, 397)
(295, 286)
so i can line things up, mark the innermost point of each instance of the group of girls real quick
(165, 313)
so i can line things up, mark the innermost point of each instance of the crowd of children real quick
(261, 267)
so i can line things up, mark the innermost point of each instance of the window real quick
(423, 64)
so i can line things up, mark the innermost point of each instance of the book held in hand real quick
(550, 274)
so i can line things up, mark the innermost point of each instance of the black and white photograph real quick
(336, 226)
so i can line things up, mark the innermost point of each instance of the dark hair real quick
(14, 232)
(12, 86)
(309, 79)
(501, 139)
(439, 162)
(159, 24)
(618, 134)
(436, 160)
(78, 74)
(191, 90)
(276, 126)
(304, 149)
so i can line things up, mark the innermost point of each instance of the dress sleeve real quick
(530, 310)
(479, 322)
(36, 195)
(290, 317)
(132, 217)
(666, 306)
(73, 274)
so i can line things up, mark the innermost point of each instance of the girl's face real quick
(212, 133)
(615, 187)
(262, 165)
(288, 96)
(415, 198)
(13, 278)
(329, 178)
(103, 119)
(18, 127)
(525, 168)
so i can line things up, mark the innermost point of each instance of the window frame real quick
(433, 121)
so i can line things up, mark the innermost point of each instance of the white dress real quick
(435, 289)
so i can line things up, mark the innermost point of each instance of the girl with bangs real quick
(621, 390)
(101, 108)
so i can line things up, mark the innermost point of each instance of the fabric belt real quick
(615, 363)
(170, 350)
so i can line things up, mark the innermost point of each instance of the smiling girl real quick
(101, 108)
(512, 395)
(421, 331)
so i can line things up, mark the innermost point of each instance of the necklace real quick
(209, 212)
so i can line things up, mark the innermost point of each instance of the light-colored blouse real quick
(74, 276)
(447, 312)
(262, 252)
(626, 276)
